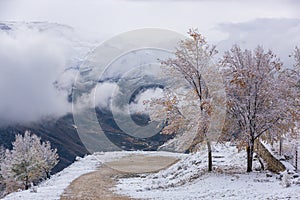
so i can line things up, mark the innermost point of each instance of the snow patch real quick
(189, 179)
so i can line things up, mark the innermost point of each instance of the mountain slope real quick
(60, 133)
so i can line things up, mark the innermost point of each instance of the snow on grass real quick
(223, 186)
(190, 168)
(53, 188)
(189, 179)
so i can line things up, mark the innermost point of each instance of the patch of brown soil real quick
(97, 185)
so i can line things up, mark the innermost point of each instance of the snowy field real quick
(52, 189)
(187, 179)
(217, 186)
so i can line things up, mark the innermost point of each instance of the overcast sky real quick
(274, 24)
(105, 17)
(218, 20)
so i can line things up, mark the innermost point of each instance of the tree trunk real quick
(47, 174)
(250, 148)
(280, 147)
(26, 183)
(209, 155)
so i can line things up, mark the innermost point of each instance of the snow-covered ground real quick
(53, 188)
(189, 179)
(218, 186)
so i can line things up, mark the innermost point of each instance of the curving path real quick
(98, 185)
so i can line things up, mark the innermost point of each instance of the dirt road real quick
(97, 185)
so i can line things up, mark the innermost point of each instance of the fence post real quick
(280, 146)
(296, 159)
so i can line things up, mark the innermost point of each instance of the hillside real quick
(63, 136)
(34, 112)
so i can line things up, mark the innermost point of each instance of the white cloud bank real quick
(31, 61)
(103, 93)
(138, 105)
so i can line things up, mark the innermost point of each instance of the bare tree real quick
(261, 95)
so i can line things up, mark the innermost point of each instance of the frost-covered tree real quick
(20, 165)
(261, 95)
(2, 158)
(180, 113)
(297, 56)
(47, 157)
(27, 161)
(297, 62)
(191, 59)
(2, 154)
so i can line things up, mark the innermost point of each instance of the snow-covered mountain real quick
(39, 62)
(38, 65)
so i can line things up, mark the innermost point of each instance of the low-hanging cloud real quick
(38, 65)
(31, 61)
(100, 96)
(139, 106)
(103, 94)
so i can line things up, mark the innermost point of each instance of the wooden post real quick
(296, 158)
(280, 146)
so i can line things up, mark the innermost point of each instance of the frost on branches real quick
(188, 104)
(261, 95)
(297, 57)
(28, 162)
